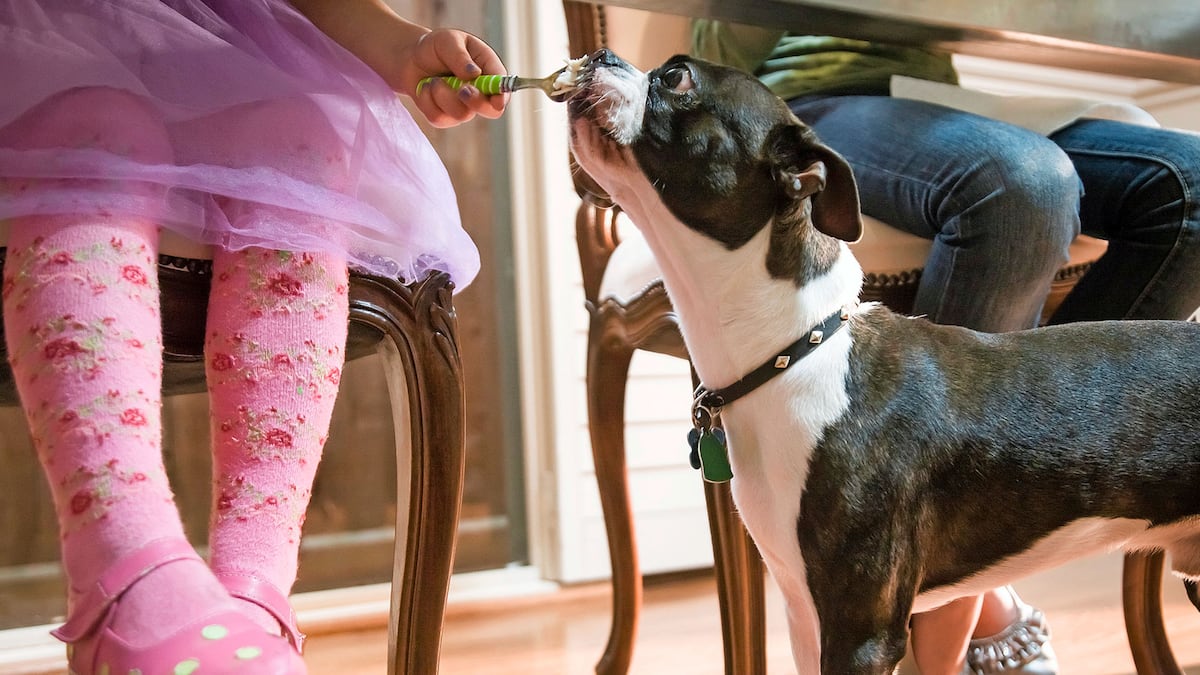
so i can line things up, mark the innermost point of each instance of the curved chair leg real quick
(607, 369)
(740, 573)
(1142, 594)
(739, 570)
(425, 384)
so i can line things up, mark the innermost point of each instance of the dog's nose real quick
(604, 57)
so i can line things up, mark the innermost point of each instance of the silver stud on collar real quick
(782, 361)
(815, 337)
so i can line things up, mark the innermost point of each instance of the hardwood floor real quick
(564, 633)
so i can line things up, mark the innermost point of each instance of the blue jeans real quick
(1002, 203)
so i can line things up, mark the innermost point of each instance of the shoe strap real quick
(253, 588)
(1019, 644)
(93, 605)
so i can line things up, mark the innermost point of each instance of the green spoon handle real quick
(486, 84)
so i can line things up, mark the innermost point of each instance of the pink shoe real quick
(252, 588)
(222, 642)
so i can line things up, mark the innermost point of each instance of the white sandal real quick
(1023, 647)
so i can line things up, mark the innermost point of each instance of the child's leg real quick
(276, 333)
(81, 315)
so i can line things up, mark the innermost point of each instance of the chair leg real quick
(1142, 594)
(739, 571)
(425, 384)
(607, 370)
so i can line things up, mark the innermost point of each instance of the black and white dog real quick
(899, 464)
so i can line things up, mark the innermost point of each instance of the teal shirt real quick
(795, 65)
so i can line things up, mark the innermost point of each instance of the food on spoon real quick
(569, 77)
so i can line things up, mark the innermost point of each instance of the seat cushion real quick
(631, 271)
(882, 250)
(1086, 250)
(885, 250)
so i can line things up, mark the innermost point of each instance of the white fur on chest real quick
(772, 434)
(734, 316)
(773, 431)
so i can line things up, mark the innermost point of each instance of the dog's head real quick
(723, 154)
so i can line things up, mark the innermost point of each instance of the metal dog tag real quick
(694, 448)
(714, 458)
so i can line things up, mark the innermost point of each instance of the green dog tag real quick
(714, 458)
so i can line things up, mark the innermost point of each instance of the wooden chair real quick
(630, 310)
(413, 327)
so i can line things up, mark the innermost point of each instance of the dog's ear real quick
(808, 169)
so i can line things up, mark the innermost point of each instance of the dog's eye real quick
(678, 78)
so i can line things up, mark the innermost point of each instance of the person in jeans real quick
(1001, 204)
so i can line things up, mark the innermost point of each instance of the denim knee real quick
(1019, 197)
(1179, 192)
(1141, 185)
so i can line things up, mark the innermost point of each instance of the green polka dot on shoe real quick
(247, 653)
(186, 667)
(214, 632)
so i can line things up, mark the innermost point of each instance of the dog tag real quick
(694, 447)
(714, 458)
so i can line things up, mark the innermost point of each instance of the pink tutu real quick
(275, 136)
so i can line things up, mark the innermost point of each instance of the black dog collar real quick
(707, 441)
(714, 400)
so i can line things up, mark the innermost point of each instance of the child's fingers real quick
(465, 56)
(460, 54)
(443, 105)
(492, 107)
(480, 104)
(446, 106)
(481, 55)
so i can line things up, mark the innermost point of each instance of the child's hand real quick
(447, 51)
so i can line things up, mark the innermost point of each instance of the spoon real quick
(556, 85)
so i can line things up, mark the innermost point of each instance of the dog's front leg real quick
(858, 626)
(863, 602)
(858, 649)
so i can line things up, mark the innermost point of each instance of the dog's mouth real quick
(611, 95)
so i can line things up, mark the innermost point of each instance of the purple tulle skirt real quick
(240, 124)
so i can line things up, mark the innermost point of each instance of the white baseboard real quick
(33, 651)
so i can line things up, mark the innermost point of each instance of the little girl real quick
(271, 133)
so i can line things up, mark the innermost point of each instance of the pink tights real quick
(81, 312)
(276, 332)
(81, 315)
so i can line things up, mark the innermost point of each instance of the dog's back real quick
(1017, 436)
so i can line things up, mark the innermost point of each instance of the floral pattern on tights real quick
(81, 437)
(285, 373)
(99, 267)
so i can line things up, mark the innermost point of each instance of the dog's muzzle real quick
(610, 93)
